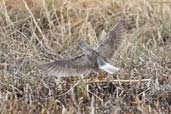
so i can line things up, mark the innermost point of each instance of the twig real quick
(68, 91)
(35, 22)
(106, 81)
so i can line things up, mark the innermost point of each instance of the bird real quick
(91, 59)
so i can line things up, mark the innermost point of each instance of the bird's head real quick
(86, 50)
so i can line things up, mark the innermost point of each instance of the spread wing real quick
(68, 67)
(107, 47)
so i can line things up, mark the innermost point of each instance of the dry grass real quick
(35, 31)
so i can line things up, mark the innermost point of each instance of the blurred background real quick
(33, 32)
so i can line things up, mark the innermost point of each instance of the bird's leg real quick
(100, 76)
(91, 78)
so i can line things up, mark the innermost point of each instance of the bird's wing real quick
(67, 67)
(107, 47)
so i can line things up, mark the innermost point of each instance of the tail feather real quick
(107, 67)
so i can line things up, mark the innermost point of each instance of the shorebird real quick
(91, 59)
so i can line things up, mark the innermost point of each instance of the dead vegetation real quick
(35, 31)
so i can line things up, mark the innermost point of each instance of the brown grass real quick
(35, 31)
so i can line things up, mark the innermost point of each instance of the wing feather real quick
(67, 67)
(81, 65)
(107, 47)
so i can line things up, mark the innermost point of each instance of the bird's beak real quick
(107, 67)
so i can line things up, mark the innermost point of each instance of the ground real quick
(33, 32)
